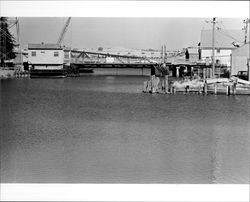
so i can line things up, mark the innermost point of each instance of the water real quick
(102, 129)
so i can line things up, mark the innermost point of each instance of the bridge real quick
(81, 60)
(85, 61)
(89, 59)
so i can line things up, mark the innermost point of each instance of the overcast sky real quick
(140, 33)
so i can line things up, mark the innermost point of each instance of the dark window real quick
(66, 55)
(56, 54)
(218, 50)
(33, 53)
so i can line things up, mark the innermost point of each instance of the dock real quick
(226, 86)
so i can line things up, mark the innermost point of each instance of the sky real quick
(133, 33)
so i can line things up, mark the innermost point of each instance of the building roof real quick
(243, 50)
(224, 39)
(44, 46)
(193, 50)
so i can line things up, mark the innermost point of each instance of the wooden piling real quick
(228, 90)
(145, 85)
(177, 72)
(151, 83)
(234, 88)
(215, 89)
(174, 90)
(171, 89)
(187, 89)
(166, 83)
(199, 90)
(205, 88)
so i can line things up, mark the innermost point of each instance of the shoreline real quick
(6, 74)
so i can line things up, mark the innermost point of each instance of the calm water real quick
(102, 129)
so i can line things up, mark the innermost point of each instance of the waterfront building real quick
(225, 42)
(46, 59)
(240, 58)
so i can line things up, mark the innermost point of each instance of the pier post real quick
(177, 72)
(215, 89)
(151, 83)
(174, 90)
(248, 68)
(234, 88)
(171, 89)
(199, 90)
(228, 90)
(145, 86)
(204, 73)
(153, 90)
(187, 89)
(205, 88)
(166, 83)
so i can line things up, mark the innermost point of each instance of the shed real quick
(239, 58)
(46, 56)
(225, 42)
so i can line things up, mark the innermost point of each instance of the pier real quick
(232, 86)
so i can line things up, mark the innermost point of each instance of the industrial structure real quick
(240, 59)
(46, 60)
(218, 52)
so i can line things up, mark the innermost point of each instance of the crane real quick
(60, 39)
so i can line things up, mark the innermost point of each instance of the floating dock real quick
(228, 86)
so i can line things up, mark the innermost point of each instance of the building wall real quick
(223, 56)
(239, 59)
(45, 57)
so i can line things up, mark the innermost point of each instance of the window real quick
(33, 53)
(66, 55)
(56, 54)
(218, 50)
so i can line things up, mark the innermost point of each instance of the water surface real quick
(103, 129)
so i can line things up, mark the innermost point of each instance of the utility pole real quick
(213, 40)
(246, 21)
(18, 42)
(213, 45)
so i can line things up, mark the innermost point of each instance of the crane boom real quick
(64, 31)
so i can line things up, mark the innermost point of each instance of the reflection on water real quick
(102, 129)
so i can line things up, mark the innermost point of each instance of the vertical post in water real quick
(177, 72)
(248, 66)
(234, 88)
(199, 90)
(166, 83)
(228, 90)
(204, 73)
(205, 88)
(174, 90)
(153, 84)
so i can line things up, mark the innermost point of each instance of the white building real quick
(240, 58)
(45, 56)
(225, 42)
